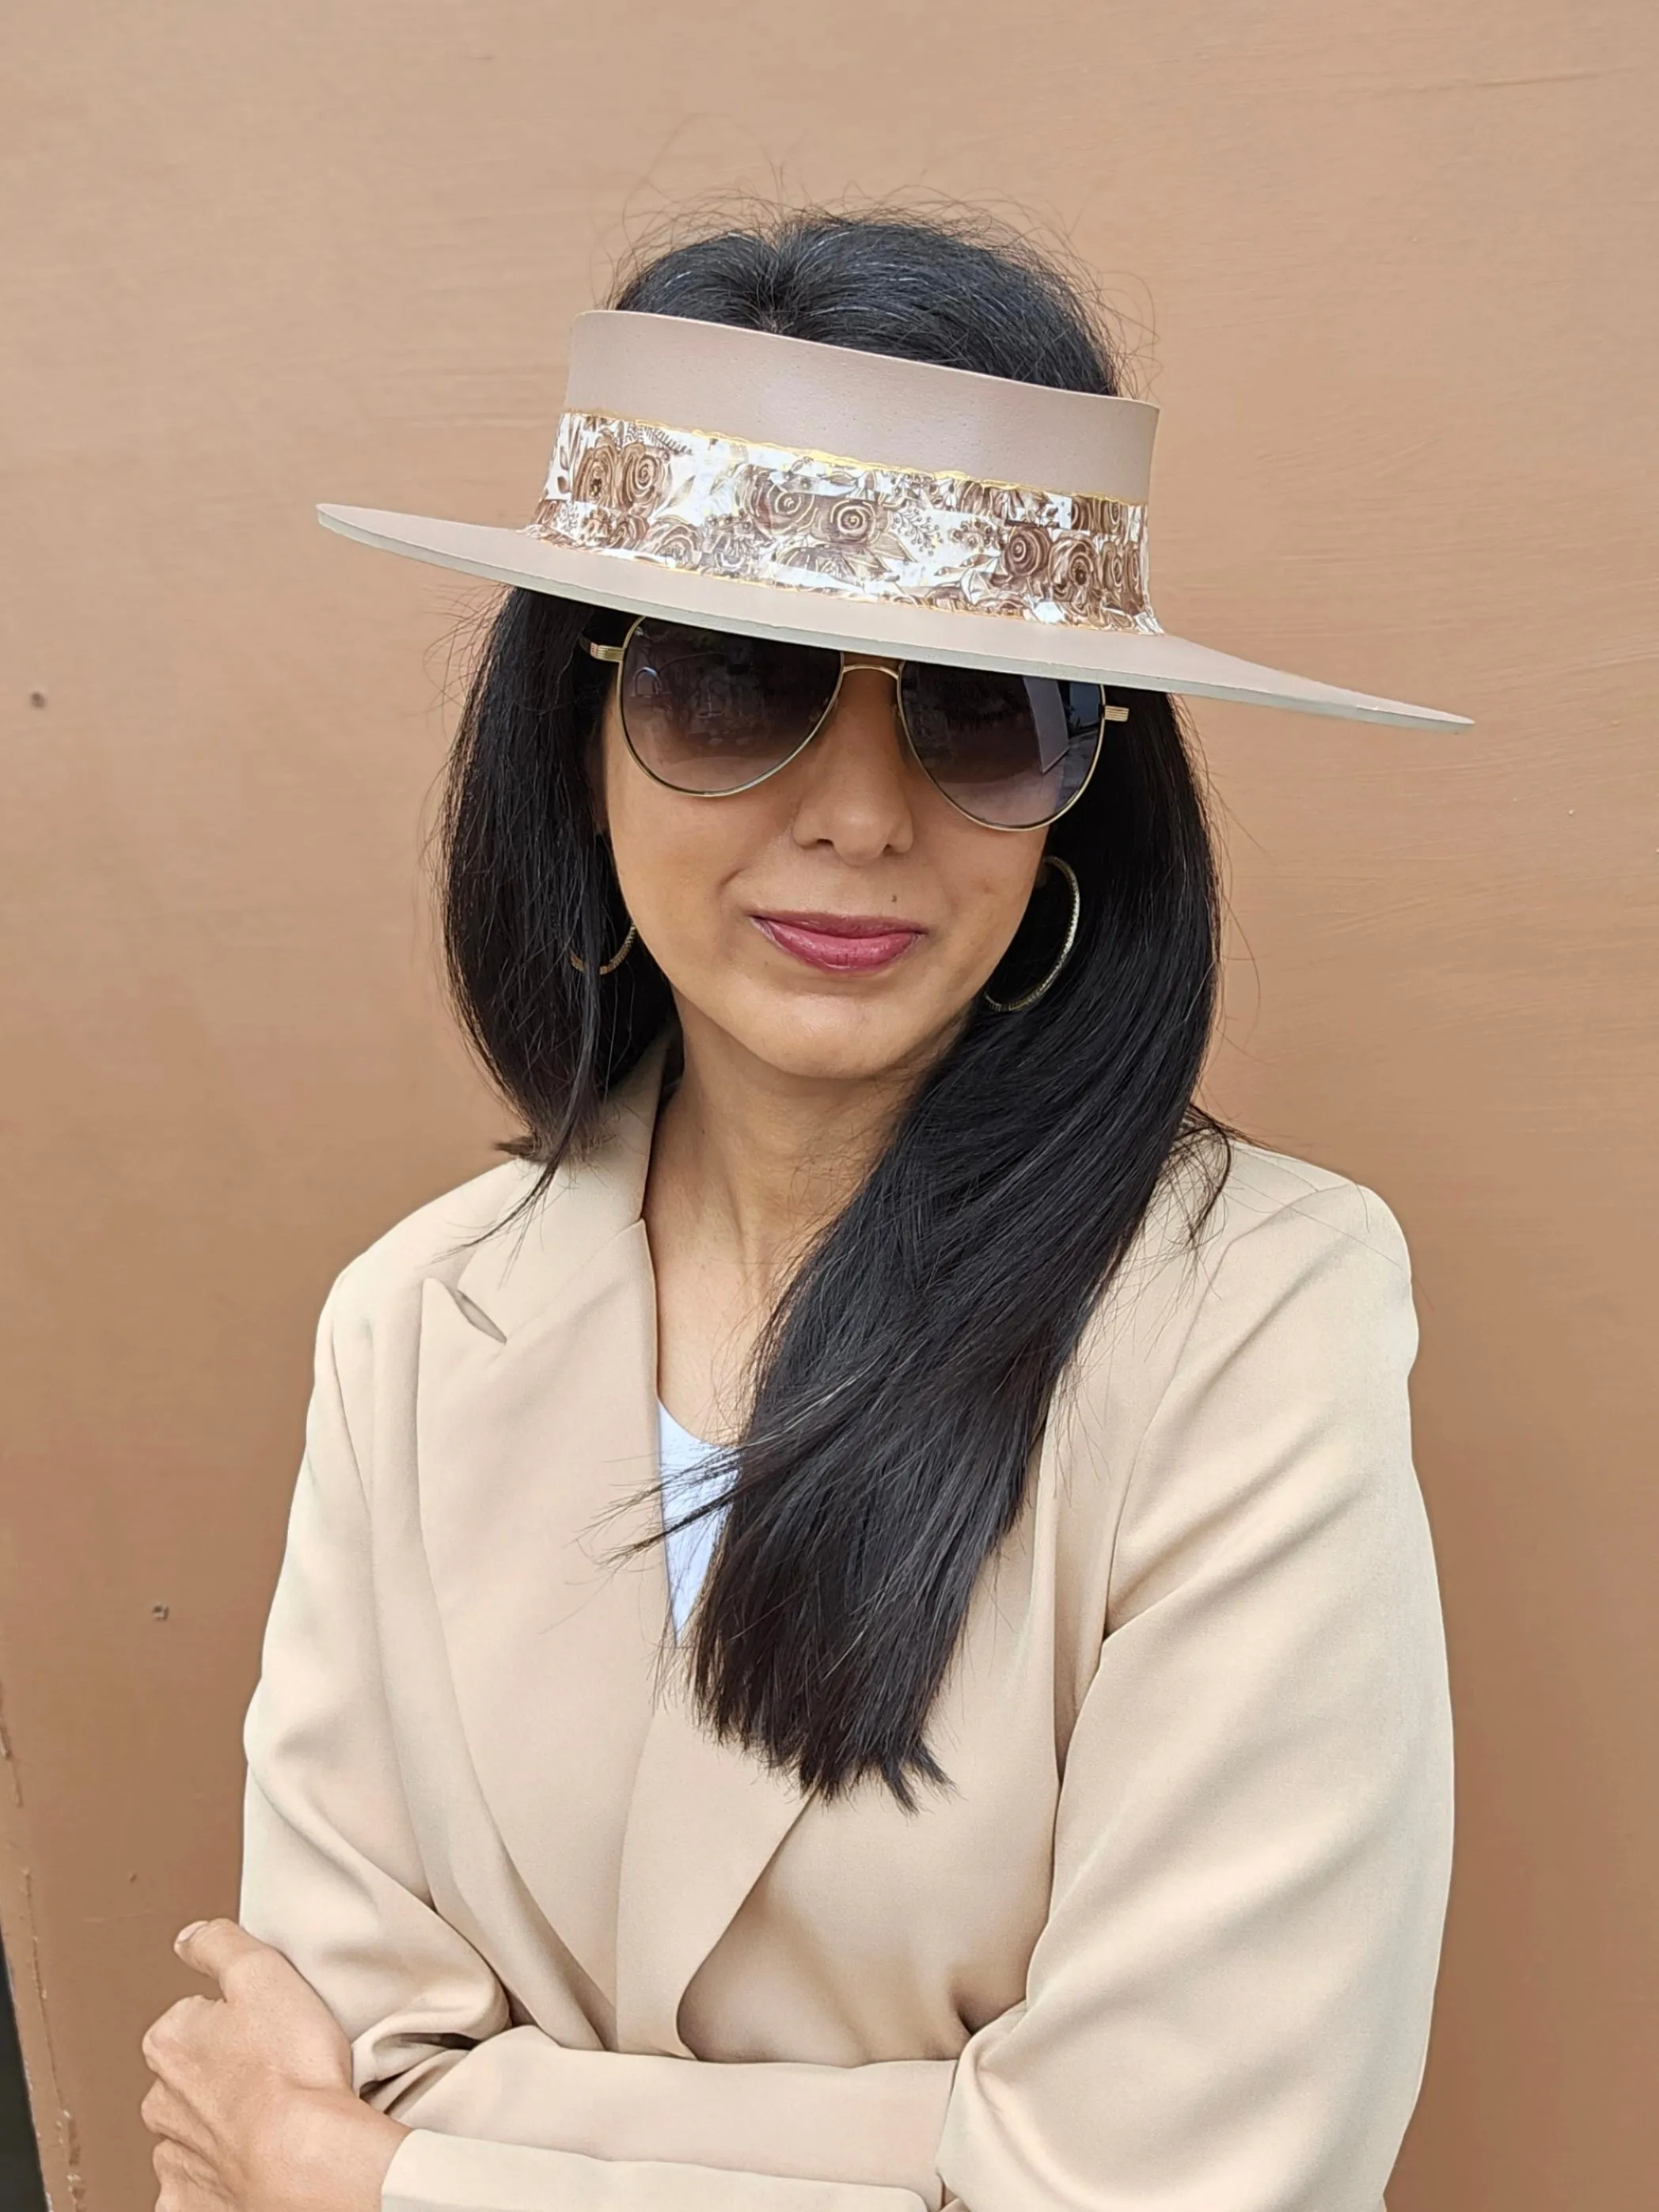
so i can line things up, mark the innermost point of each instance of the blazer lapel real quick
(537, 1455)
(637, 1833)
(705, 1817)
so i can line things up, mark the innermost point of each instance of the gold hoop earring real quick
(1030, 997)
(616, 958)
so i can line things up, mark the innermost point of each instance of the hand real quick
(252, 2100)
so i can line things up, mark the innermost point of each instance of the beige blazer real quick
(1169, 1944)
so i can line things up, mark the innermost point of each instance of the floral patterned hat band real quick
(827, 523)
(777, 487)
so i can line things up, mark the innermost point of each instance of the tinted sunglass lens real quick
(1013, 751)
(708, 712)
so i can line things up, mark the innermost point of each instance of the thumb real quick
(213, 1947)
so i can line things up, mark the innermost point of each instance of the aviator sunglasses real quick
(710, 713)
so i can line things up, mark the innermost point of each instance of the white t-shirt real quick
(688, 1467)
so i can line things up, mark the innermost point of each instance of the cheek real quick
(673, 856)
(991, 874)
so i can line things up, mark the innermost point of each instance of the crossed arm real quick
(251, 2106)
(253, 2109)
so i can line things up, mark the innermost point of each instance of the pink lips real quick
(842, 944)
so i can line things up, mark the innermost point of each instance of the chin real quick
(840, 1041)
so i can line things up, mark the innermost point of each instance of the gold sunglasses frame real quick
(614, 656)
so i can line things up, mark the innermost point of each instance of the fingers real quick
(216, 1947)
(164, 2113)
(168, 2039)
(187, 2183)
(183, 2157)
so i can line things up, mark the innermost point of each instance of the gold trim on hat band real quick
(767, 514)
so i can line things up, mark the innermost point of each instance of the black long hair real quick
(901, 1388)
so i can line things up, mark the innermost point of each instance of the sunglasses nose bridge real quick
(849, 662)
(906, 736)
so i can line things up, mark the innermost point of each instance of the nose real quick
(856, 790)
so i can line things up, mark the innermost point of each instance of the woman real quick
(1022, 1778)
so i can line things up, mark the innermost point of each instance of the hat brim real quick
(1140, 660)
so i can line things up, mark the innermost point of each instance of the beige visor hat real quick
(780, 488)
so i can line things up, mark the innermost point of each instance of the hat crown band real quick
(721, 504)
(807, 397)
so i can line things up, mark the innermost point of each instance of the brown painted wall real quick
(1389, 271)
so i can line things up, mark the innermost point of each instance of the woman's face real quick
(837, 920)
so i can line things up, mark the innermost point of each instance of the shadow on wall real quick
(21, 2187)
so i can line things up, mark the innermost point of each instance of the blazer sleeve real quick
(333, 1877)
(1229, 2005)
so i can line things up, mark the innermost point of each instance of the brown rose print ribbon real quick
(725, 505)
